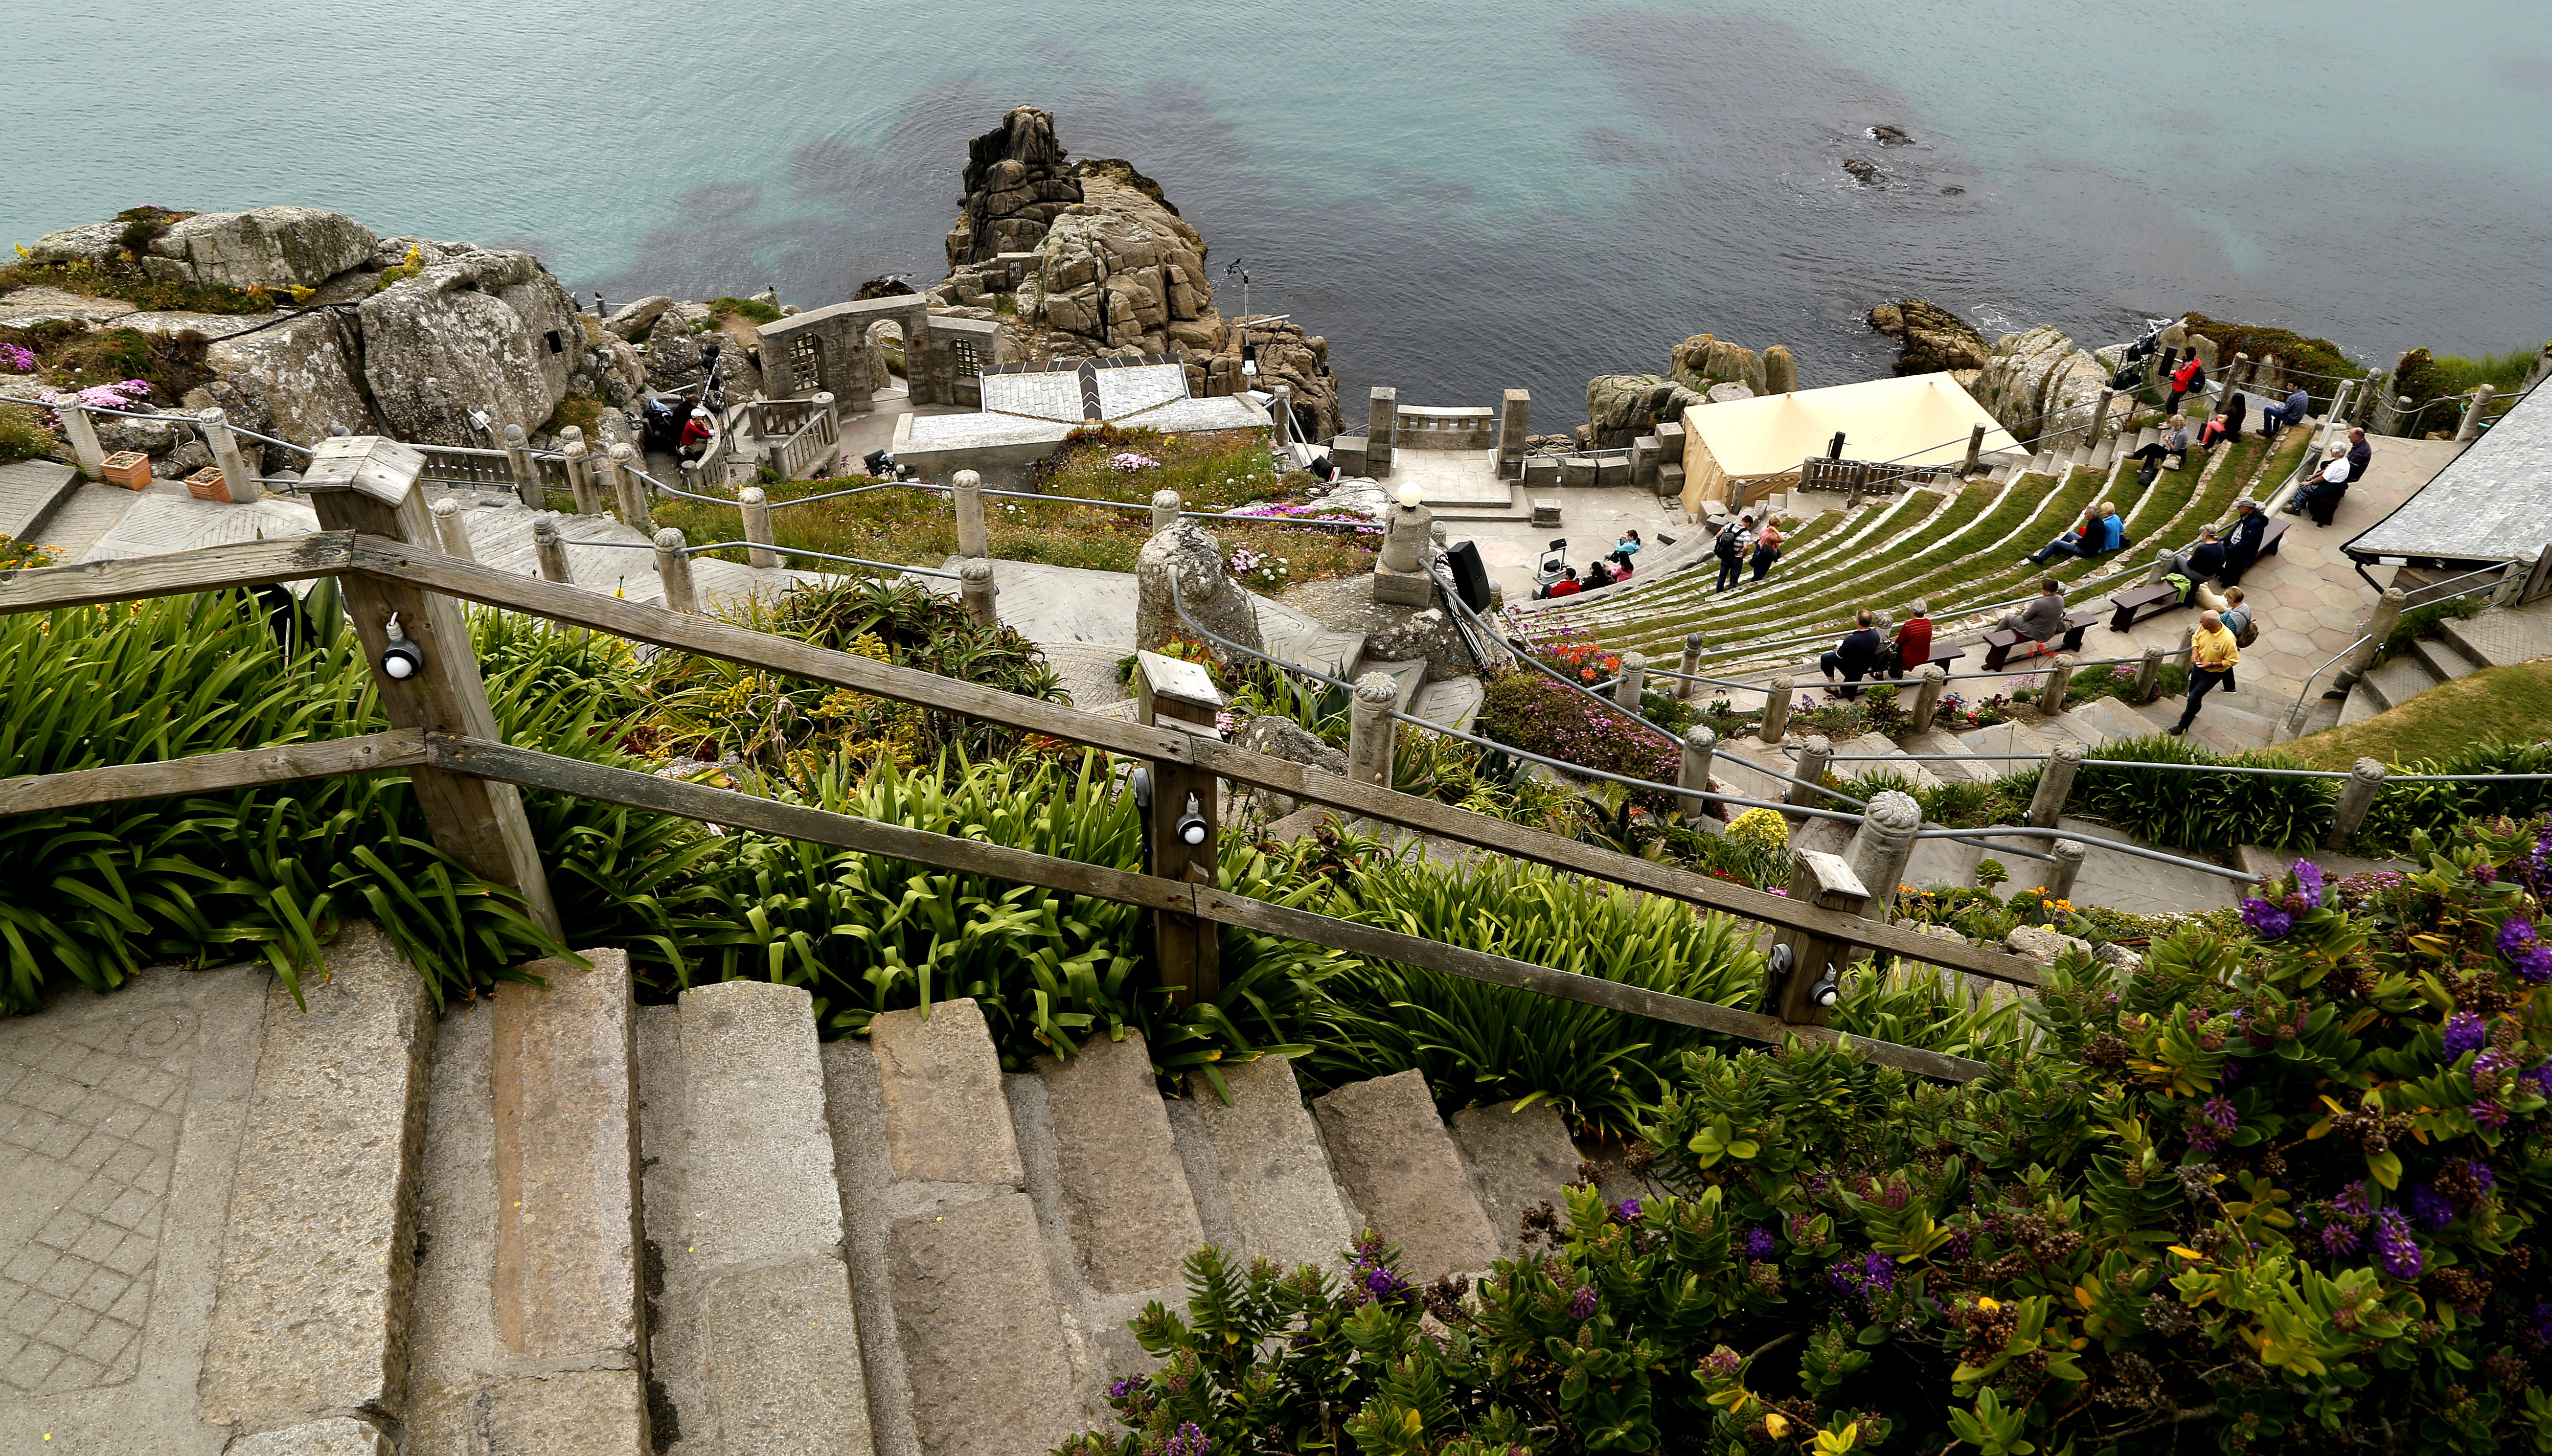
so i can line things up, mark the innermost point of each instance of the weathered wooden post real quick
(449, 532)
(1806, 791)
(1181, 822)
(2060, 681)
(1690, 668)
(368, 485)
(1806, 967)
(1884, 845)
(966, 492)
(1928, 682)
(1635, 681)
(975, 590)
(1699, 744)
(2149, 676)
(239, 478)
(2471, 427)
(1172, 689)
(673, 570)
(81, 431)
(1165, 510)
(2056, 880)
(550, 550)
(755, 507)
(1370, 729)
(628, 489)
(1776, 711)
(1975, 448)
(2356, 796)
(2054, 785)
(526, 471)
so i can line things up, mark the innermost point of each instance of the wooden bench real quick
(2135, 603)
(2000, 644)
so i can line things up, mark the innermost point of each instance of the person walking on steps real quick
(1767, 547)
(2212, 656)
(1730, 548)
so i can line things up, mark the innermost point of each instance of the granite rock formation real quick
(1705, 360)
(1934, 339)
(1619, 408)
(477, 329)
(263, 248)
(2038, 384)
(1016, 183)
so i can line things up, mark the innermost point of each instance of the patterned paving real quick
(89, 1117)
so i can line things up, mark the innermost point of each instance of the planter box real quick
(130, 469)
(207, 485)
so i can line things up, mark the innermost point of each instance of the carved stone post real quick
(550, 550)
(2054, 785)
(1690, 668)
(525, 470)
(630, 490)
(81, 431)
(1928, 682)
(582, 464)
(448, 531)
(966, 489)
(674, 569)
(2058, 878)
(755, 507)
(2471, 427)
(1165, 510)
(2060, 681)
(1975, 448)
(1514, 422)
(976, 590)
(1635, 681)
(2356, 796)
(1370, 729)
(1883, 846)
(1815, 757)
(1381, 431)
(238, 476)
(1699, 744)
(2149, 676)
(1776, 711)
(2379, 625)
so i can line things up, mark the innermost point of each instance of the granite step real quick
(1948, 760)
(2399, 680)
(2113, 720)
(946, 1245)
(1453, 702)
(2503, 636)
(30, 492)
(1519, 1158)
(528, 1326)
(2007, 738)
(310, 1318)
(753, 1337)
(2444, 660)
(1400, 1168)
(1262, 1152)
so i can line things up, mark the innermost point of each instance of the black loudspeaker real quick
(1470, 578)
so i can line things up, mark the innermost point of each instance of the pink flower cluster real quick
(20, 358)
(1129, 461)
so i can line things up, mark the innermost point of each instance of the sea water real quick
(1462, 195)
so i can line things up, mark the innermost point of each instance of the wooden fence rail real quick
(404, 567)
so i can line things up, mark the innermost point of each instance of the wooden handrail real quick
(273, 763)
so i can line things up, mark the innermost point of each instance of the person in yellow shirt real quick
(2212, 656)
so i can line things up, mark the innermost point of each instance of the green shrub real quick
(2272, 1193)
(2421, 622)
(23, 436)
(2314, 355)
(1479, 1043)
(751, 309)
(122, 278)
(2403, 811)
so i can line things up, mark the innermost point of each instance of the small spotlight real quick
(1827, 990)
(1192, 823)
(401, 658)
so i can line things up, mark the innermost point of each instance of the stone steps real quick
(1398, 1167)
(29, 493)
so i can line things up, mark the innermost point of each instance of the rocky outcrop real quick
(633, 318)
(265, 247)
(479, 329)
(1286, 356)
(1121, 270)
(1933, 339)
(1705, 360)
(1619, 408)
(1781, 371)
(1188, 552)
(1016, 183)
(2038, 385)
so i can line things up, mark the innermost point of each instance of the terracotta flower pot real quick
(209, 484)
(130, 469)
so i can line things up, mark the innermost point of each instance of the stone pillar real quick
(1381, 431)
(525, 470)
(448, 531)
(1165, 510)
(1776, 711)
(975, 589)
(2234, 373)
(2356, 796)
(1815, 757)
(1514, 422)
(2379, 625)
(580, 466)
(2161, 565)
(1691, 668)
(1635, 681)
(1975, 448)
(2060, 681)
(239, 478)
(2057, 880)
(2471, 427)
(1928, 682)
(81, 431)
(2149, 676)
(1370, 728)
(2099, 427)
(674, 569)
(755, 507)
(1699, 744)
(966, 489)
(1884, 845)
(1400, 574)
(631, 492)
(2054, 785)
(550, 550)
(1280, 413)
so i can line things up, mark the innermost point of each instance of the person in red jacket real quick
(1566, 586)
(2186, 380)
(698, 432)
(1914, 640)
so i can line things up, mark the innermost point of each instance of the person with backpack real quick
(2189, 379)
(1730, 548)
(1767, 547)
(2238, 617)
(2212, 652)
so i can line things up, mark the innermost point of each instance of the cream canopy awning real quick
(1917, 420)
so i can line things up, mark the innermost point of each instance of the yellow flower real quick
(1775, 1423)
(1987, 1304)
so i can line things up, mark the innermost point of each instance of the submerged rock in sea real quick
(1863, 172)
(1934, 337)
(1887, 135)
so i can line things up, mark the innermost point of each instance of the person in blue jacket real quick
(2101, 531)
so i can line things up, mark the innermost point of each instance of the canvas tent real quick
(1916, 420)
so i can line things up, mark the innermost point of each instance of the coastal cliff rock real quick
(263, 248)
(1619, 408)
(477, 329)
(1705, 360)
(2038, 384)
(1016, 183)
(1934, 339)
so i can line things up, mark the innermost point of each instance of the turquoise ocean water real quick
(1464, 197)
